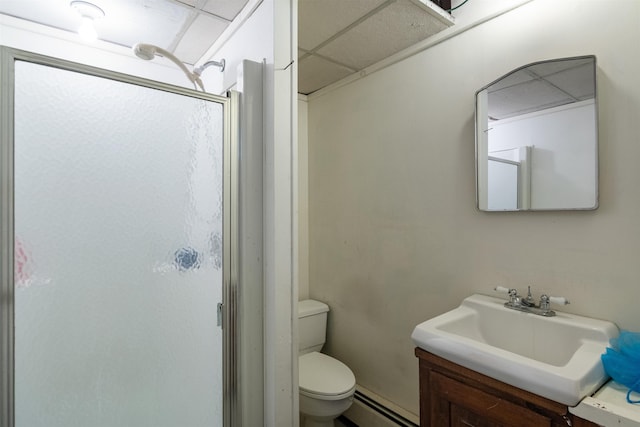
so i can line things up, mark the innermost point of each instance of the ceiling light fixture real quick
(88, 12)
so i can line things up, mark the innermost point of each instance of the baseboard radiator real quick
(371, 410)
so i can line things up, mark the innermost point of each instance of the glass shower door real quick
(118, 253)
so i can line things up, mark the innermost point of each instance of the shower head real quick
(148, 52)
(145, 51)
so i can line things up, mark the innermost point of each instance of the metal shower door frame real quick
(8, 57)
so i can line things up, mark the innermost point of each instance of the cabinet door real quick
(462, 417)
(466, 406)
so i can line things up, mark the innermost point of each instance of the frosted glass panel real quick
(118, 225)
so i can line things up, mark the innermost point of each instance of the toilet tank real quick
(312, 325)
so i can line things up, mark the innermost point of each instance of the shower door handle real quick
(220, 305)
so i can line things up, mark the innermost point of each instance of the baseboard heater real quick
(390, 416)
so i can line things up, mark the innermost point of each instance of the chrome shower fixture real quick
(148, 52)
(198, 70)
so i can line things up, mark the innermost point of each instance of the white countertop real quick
(609, 407)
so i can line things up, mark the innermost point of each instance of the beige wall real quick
(394, 236)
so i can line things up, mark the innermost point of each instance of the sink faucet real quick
(528, 305)
(514, 298)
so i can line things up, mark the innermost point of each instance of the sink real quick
(554, 357)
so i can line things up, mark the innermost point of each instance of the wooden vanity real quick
(451, 395)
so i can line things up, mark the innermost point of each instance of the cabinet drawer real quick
(463, 399)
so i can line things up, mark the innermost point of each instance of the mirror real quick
(537, 138)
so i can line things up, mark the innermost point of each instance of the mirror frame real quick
(479, 111)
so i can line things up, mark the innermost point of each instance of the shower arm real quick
(199, 69)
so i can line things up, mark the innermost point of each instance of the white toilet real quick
(326, 384)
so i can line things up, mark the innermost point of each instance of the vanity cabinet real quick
(451, 395)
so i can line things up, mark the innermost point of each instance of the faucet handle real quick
(559, 300)
(545, 304)
(546, 300)
(514, 298)
(513, 293)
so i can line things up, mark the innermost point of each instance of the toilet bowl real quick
(326, 385)
(326, 388)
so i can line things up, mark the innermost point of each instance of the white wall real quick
(394, 234)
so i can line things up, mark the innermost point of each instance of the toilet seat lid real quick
(323, 375)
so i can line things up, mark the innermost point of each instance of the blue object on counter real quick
(622, 361)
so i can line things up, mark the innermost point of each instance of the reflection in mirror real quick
(537, 138)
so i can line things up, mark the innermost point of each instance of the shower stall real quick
(119, 246)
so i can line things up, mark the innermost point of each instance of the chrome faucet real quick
(528, 305)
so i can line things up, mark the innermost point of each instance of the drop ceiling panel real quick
(511, 80)
(578, 81)
(190, 49)
(319, 20)
(128, 22)
(315, 73)
(227, 9)
(541, 86)
(548, 68)
(524, 98)
(394, 28)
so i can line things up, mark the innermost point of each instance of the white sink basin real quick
(555, 357)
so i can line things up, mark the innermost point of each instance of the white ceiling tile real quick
(515, 78)
(318, 20)
(191, 47)
(394, 28)
(577, 81)
(315, 73)
(227, 9)
(547, 68)
(128, 22)
(525, 97)
(541, 86)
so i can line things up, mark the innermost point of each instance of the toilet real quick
(326, 384)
